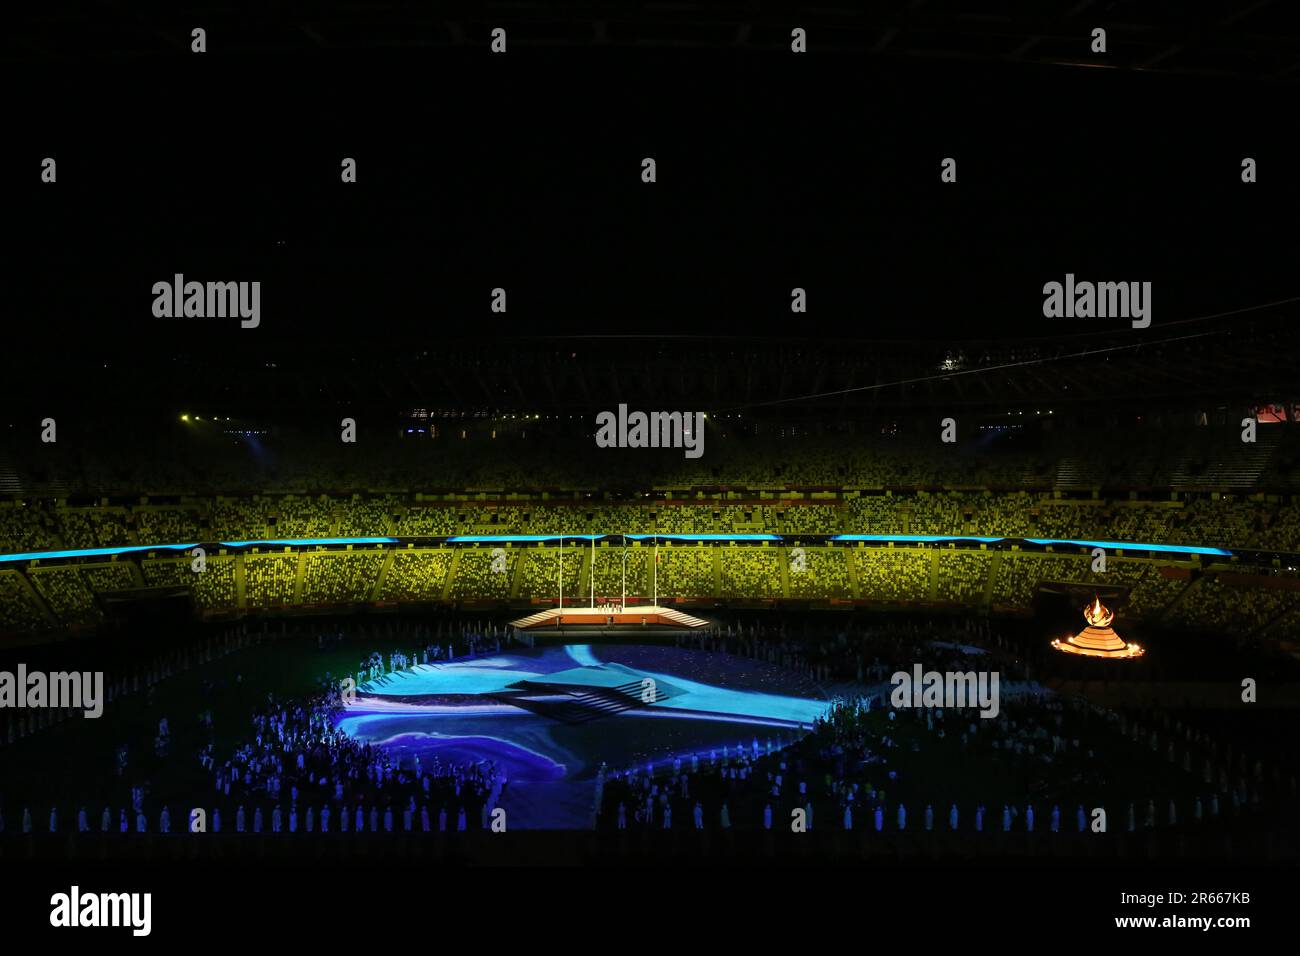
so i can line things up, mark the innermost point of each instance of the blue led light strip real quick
(305, 542)
(519, 538)
(93, 552)
(913, 537)
(1135, 546)
(703, 537)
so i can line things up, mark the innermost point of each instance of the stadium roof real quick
(520, 173)
(1217, 38)
(1239, 362)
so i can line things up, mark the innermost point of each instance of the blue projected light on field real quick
(554, 718)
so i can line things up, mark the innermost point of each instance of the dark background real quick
(523, 171)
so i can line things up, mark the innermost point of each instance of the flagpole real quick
(655, 598)
(560, 576)
(593, 570)
(623, 603)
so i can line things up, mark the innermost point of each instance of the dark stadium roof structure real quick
(919, 299)
(1240, 360)
(1220, 38)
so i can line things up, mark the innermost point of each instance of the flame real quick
(1097, 614)
(1097, 639)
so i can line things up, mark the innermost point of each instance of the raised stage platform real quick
(648, 615)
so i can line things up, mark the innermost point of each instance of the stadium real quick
(767, 592)
(678, 442)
